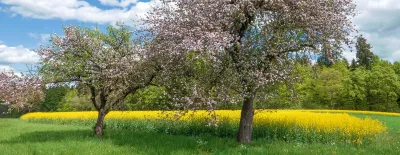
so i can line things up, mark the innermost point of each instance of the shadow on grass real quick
(156, 142)
(49, 136)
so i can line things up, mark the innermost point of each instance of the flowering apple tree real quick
(109, 66)
(248, 42)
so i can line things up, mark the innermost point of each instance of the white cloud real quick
(43, 37)
(120, 3)
(4, 68)
(79, 10)
(8, 69)
(33, 35)
(349, 56)
(3, 10)
(17, 54)
(379, 23)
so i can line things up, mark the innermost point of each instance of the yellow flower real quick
(305, 121)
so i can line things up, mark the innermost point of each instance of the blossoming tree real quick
(109, 66)
(22, 92)
(248, 41)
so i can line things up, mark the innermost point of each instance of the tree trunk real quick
(100, 122)
(246, 121)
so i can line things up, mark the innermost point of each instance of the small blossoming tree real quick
(22, 92)
(109, 66)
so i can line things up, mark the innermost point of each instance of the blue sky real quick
(26, 24)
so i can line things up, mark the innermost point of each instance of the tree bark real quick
(246, 121)
(100, 122)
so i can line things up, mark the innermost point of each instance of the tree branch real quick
(93, 97)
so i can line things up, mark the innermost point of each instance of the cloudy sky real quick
(26, 24)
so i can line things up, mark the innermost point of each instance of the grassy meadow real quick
(19, 136)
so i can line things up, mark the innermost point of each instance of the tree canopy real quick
(248, 40)
(109, 66)
(22, 92)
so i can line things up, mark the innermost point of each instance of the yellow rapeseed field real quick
(308, 121)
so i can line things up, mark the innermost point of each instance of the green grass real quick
(22, 137)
